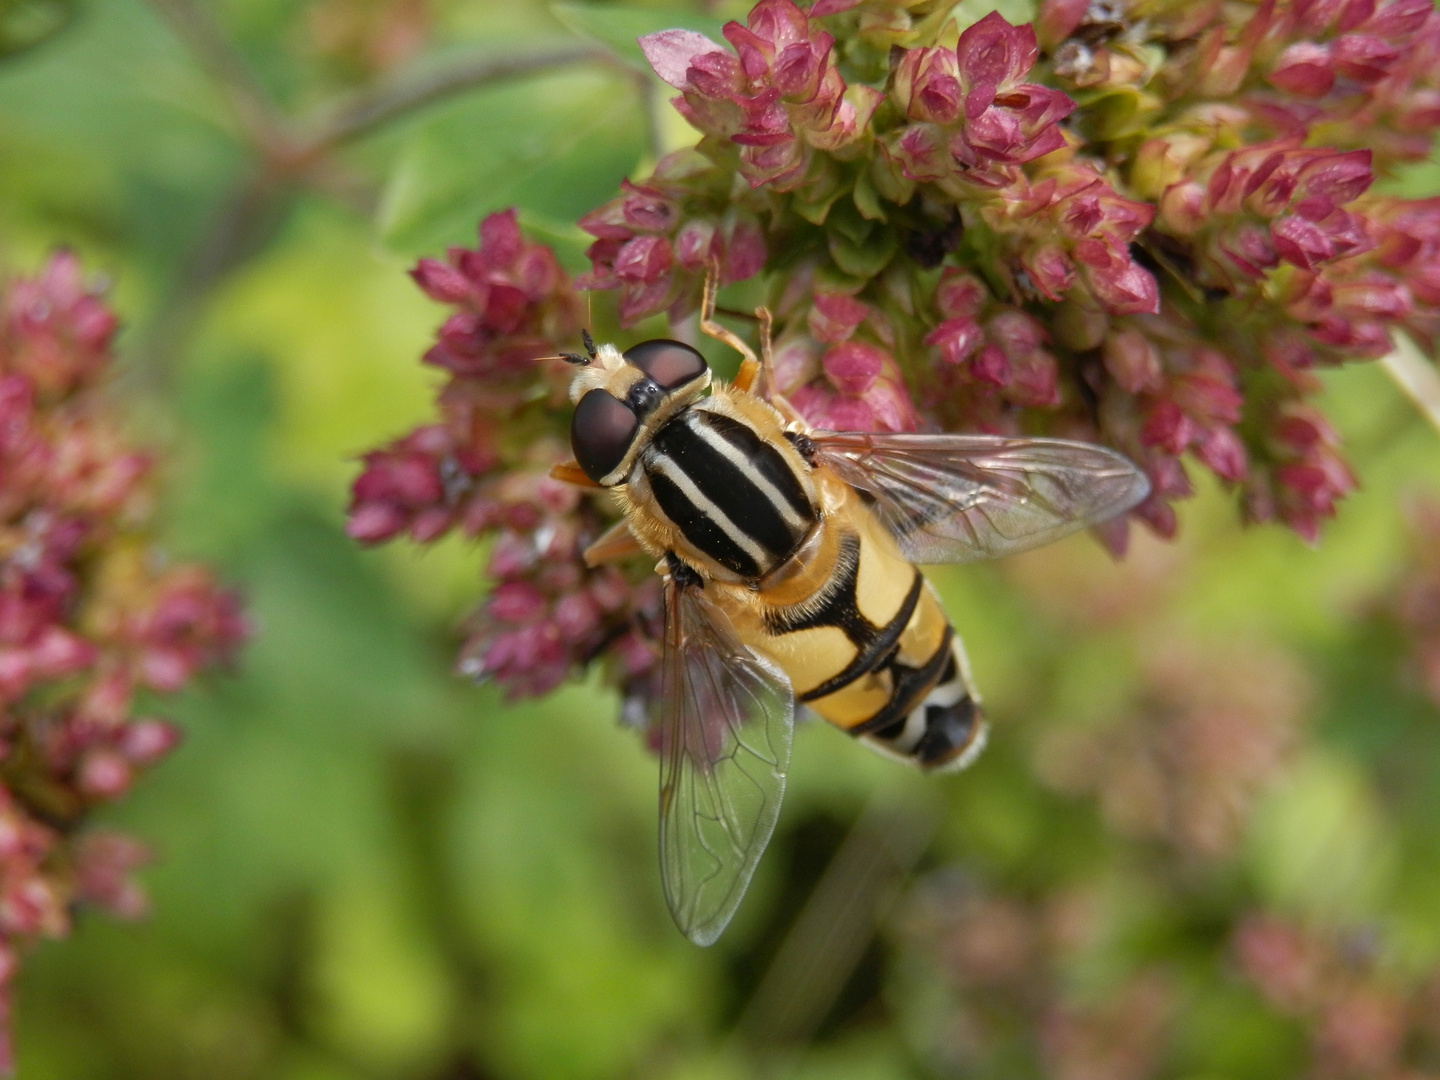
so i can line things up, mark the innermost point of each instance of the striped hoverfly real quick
(788, 558)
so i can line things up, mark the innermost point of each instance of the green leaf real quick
(865, 258)
(867, 200)
(555, 148)
(617, 27)
(26, 23)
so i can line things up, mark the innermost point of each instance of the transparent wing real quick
(726, 727)
(958, 498)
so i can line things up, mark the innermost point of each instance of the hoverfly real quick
(788, 560)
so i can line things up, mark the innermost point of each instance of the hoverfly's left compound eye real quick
(601, 432)
(671, 364)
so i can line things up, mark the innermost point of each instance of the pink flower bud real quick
(104, 864)
(516, 602)
(959, 294)
(1221, 449)
(671, 53)
(644, 259)
(1168, 428)
(165, 669)
(1033, 380)
(797, 69)
(59, 653)
(646, 210)
(609, 590)
(795, 361)
(745, 251)
(144, 742)
(956, 339)
(990, 365)
(927, 85)
(1364, 57)
(1121, 286)
(834, 317)
(991, 52)
(1305, 69)
(104, 774)
(1050, 271)
(500, 239)
(694, 244)
(29, 906)
(854, 367)
(576, 617)
(441, 282)
(1132, 361)
(1399, 19)
(1300, 242)
(376, 522)
(1057, 20)
(407, 479)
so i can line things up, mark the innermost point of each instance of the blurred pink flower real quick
(86, 620)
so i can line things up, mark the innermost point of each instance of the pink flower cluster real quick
(776, 99)
(88, 622)
(1207, 731)
(996, 991)
(1163, 212)
(971, 110)
(1141, 224)
(484, 469)
(654, 243)
(1362, 1021)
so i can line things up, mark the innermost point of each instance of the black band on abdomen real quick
(872, 654)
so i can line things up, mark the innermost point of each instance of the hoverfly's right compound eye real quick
(601, 433)
(671, 364)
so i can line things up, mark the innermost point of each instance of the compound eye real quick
(670, 363)
(601, 433)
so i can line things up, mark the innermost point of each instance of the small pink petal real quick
(671, 52)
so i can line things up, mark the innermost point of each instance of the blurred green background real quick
(370, 869)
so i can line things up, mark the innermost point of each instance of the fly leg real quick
(615, 543)
(754, 376)
(749, 365)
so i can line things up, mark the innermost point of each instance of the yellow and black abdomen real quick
(864, 639)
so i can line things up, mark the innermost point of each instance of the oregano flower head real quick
(1144, 223)
(94, 624)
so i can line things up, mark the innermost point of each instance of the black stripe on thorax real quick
(689, 444)
(699, 528)
(764, 459)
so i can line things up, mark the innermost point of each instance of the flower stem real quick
(379, 105)
(1415, 374)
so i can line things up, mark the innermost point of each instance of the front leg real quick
(749, 365)
(614, 544)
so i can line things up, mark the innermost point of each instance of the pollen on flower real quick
(87, 621)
